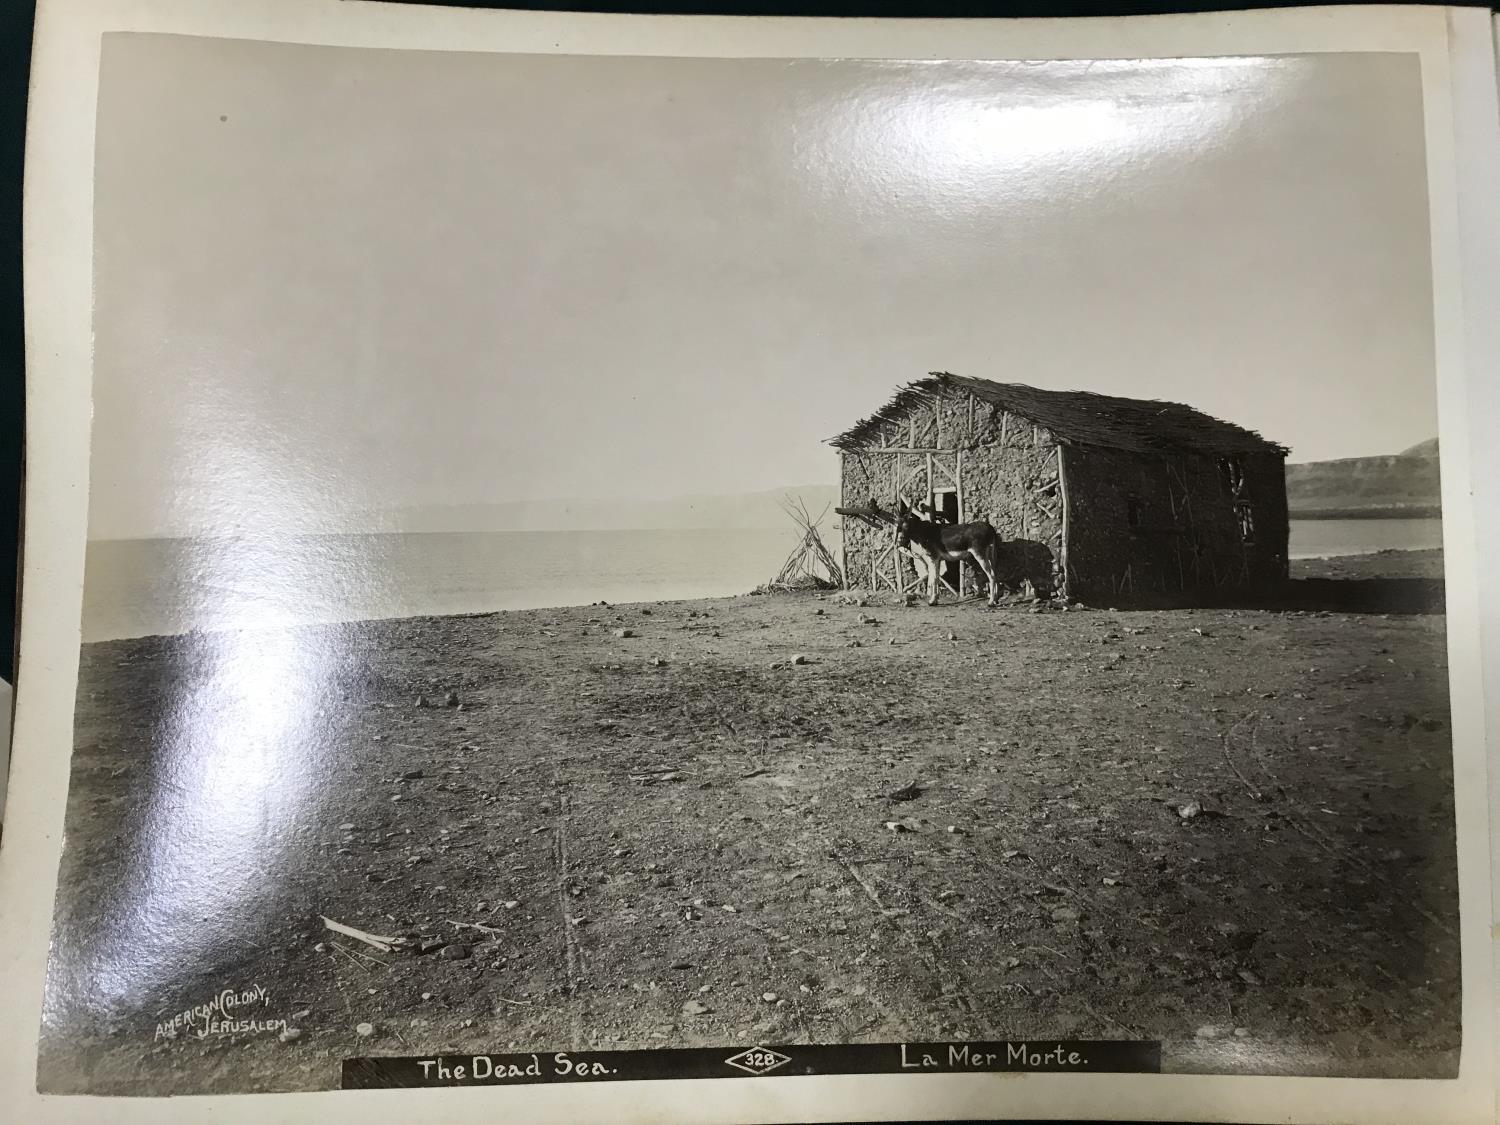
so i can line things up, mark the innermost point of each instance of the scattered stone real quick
(1189, 810)
(302, 1015)
(952, 636)
(510, 904)
(1108, 882)
(364, 1030)
(426, 996)
(800, 659)
(412, 775)
(657, 662)
(346, 827)
(696, 1008)
(624, 633)
(1064, 914)
(290, 1034)
(454, 952)
(451, 699)
(1209, 1031)
(320, 948)
(423, 701)
(1242, 1033)
(1248, 977)
(430, 945)
(906, 824)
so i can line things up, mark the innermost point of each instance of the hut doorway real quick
(945, 510)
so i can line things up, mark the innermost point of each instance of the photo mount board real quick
(1459, 82)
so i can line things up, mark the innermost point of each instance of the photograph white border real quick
(1456, 47)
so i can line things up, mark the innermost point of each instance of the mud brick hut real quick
(1099, 499)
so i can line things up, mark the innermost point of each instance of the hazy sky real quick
(334, 280)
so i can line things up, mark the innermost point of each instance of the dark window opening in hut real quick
(1246, 515)
(945, 505)
(1234, 476)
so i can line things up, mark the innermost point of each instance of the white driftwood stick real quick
(383, 944)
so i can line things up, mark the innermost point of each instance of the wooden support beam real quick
(1062, 487)
(876, 451)
(958, 488)
(843, 539)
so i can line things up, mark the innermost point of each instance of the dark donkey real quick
(937, 543)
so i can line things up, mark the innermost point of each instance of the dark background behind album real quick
(15, 69)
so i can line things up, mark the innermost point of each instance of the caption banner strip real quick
(1107, 1056)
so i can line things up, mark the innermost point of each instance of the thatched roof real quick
(1076, 418)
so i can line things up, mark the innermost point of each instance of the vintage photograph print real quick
(614, 567)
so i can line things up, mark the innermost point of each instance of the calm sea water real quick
(138, 587)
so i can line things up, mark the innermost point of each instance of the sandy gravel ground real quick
(771, 819)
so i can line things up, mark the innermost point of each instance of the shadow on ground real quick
(1405, 595)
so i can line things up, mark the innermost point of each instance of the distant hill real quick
(746, 510)
(1404, 485)
(1428, 448)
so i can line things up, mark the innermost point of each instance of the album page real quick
(706, 569)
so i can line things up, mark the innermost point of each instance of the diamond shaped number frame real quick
(758, 1060)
